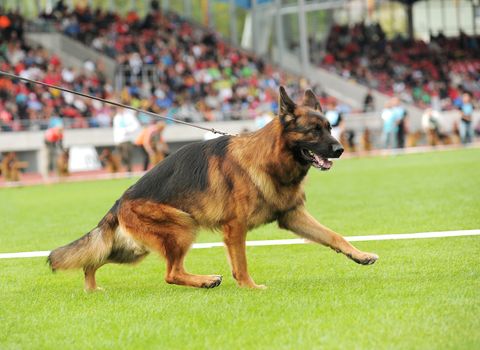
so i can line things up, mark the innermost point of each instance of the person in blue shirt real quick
(465, 126)
(390, 116)
(400, 118)
(335, 119)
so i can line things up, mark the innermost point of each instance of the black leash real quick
(13, 76)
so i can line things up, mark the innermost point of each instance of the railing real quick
(39, 125)
(354, 121)
(40, 25)
(126, 75)
(86, 123)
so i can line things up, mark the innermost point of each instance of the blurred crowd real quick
(191, 71)
(433, 74)
(198, 76)
(194, 69)
(22, 104)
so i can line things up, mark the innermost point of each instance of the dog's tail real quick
(92, 249)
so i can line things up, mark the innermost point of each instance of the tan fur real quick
(110, 160)
(122, 239)
(62, 164)
(414, 138)
(366, 142)
(11, 166)
(90, 250)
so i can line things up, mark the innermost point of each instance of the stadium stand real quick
(427, 74)
(197, 76)
(175, 67)
(28, 106)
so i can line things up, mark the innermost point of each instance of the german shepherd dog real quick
(232, 183)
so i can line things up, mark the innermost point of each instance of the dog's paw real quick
(94, 290)
(213, 281)
(260, 287)
(252, 285)
(364, 258)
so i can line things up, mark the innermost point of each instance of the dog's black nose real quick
(337, 150)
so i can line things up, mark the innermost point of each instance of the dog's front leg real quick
(234, 238)
(303, 224)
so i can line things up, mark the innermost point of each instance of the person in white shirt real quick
(125, 130)
(431, 125)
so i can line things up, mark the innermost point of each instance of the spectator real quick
(403, 129)
(431, 126)
(335, 119)
(152, 144)
(125, 130)
(368, 102)
(390, 126)
(466, 112)
(400, 115)
(139, 141)
(54, 143)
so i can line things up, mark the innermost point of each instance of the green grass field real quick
(421, 294)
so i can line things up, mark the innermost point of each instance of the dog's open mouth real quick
(317, 161)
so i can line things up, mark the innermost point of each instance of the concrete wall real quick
(31, 148)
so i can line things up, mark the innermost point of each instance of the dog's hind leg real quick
(303, 224)
(168, 231)
(234, 238)
(90, 282)
(124, 250)
(175, 247)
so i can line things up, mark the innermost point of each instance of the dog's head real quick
(307, 131)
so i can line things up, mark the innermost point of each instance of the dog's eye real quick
(318, 127)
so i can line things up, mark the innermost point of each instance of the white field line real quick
(273, 242)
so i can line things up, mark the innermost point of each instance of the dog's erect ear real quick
(286, 107)
(310, 100)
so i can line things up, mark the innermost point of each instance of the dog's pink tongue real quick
(327, 164)
(324, 163)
